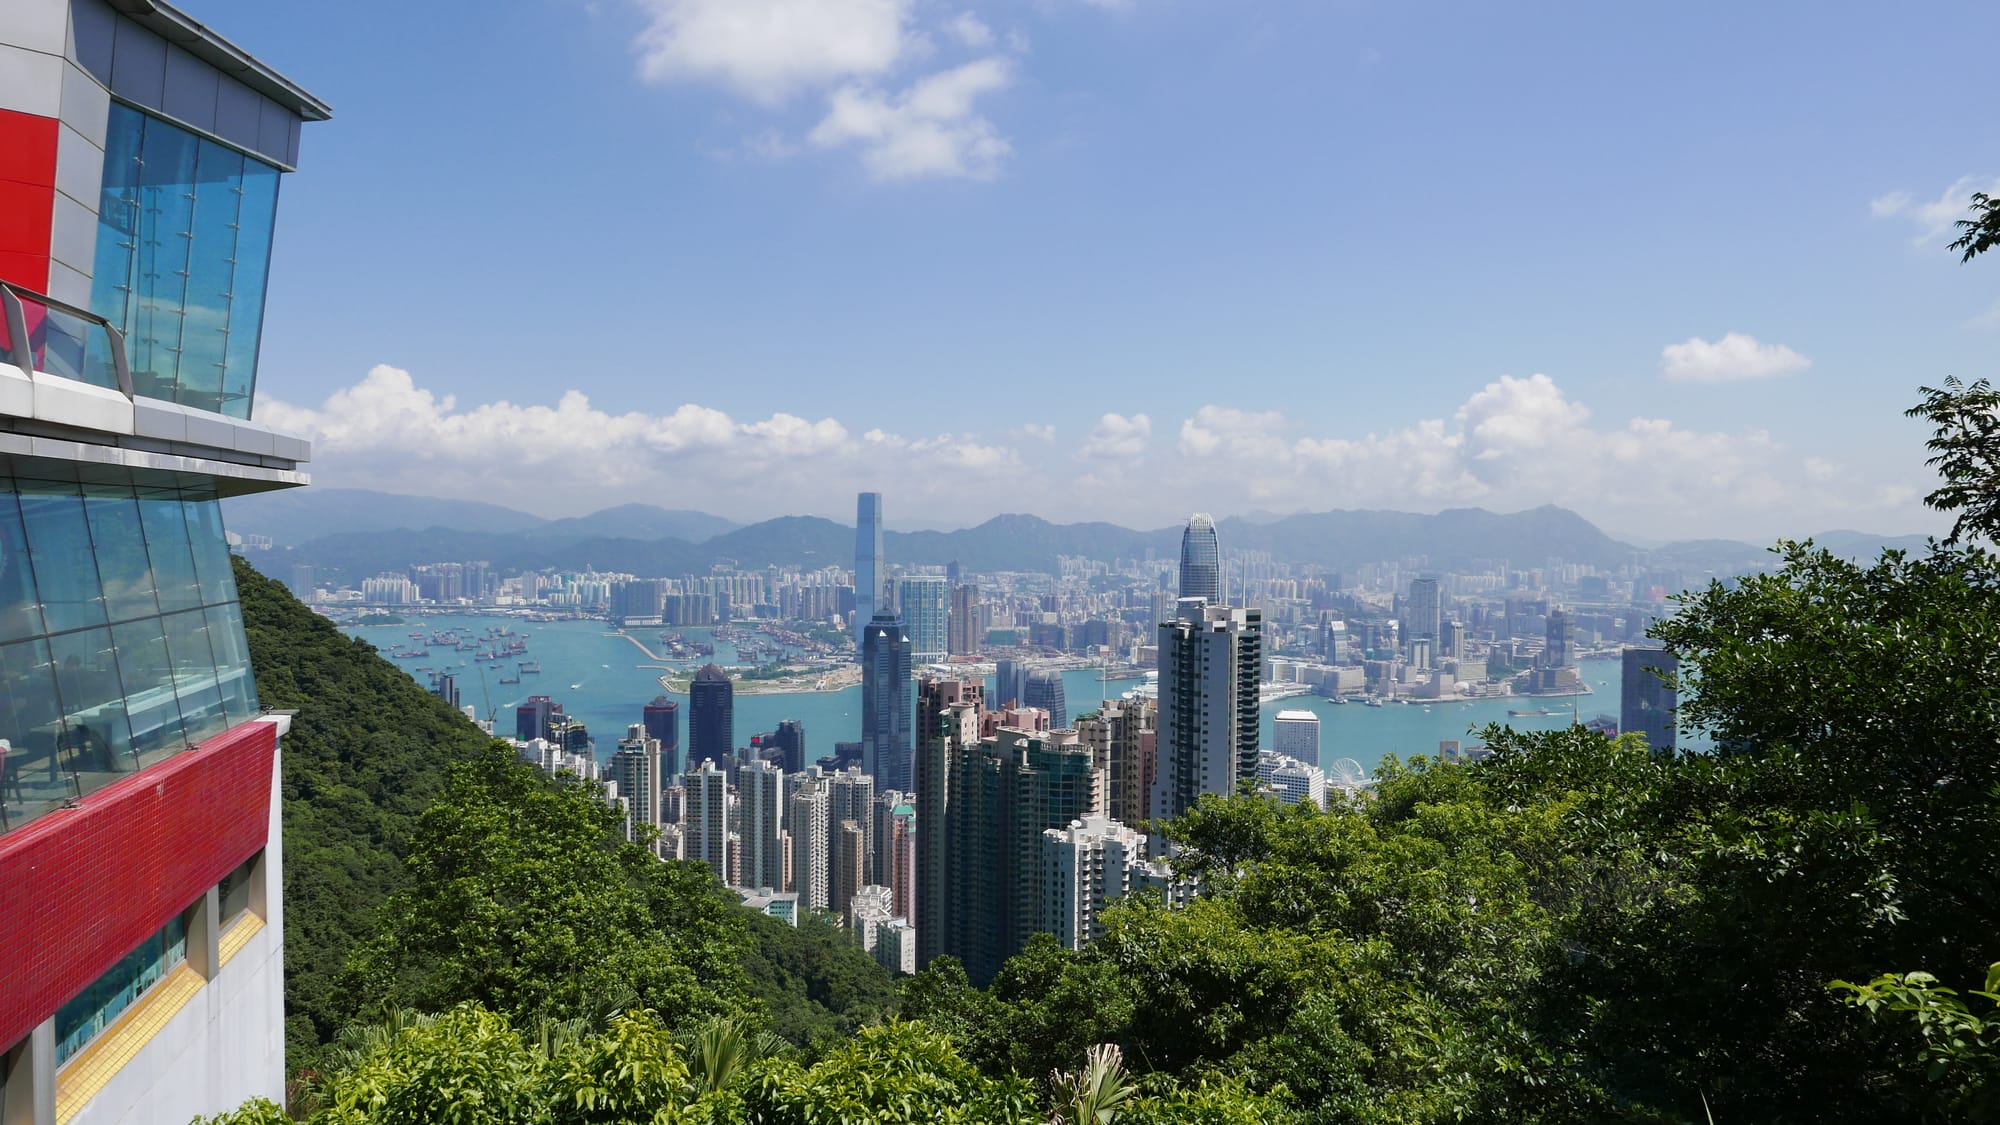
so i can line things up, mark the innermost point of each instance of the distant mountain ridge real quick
(657, 542)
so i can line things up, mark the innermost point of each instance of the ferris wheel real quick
(1347, 774)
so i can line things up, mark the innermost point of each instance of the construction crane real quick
(488, 693)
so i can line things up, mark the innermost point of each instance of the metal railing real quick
(61, 341)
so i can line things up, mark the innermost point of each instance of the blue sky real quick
(1678, 268)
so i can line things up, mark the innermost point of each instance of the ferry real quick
(1529, 714)
(1372, 701)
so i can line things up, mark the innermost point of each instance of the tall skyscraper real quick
(141, 841)
(1134, 744)
(711, 718)
(850, 799)
(1296, 734)
(1423, 616)
(1647, 703)
(811, 845)
(885, 702)
(846, 871)
(531, 719)
(868, 563)
(924, 603)
(1559, 645)
(1210, 660)
(1010, 688)
(791, 742)
(705, 823)
(1004, 790)
(965, 632)
(1201, 560)
(948, 718)
(760, 789)
(662, 718)
(635, 768)
(1045, 690)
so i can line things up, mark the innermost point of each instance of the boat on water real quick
(1371, 701)
(1339, 701)
(510, 679)
(1529, 714)
(530, 667)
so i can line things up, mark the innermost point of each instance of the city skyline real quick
(1267, 298)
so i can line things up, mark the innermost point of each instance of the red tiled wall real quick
(81, 888)
(27, 197)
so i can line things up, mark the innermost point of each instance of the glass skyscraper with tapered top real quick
(867, 564)
(141, 843)
(885, 702)
(1201, 560)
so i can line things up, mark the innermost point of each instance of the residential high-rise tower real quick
(923, 603)
(1210, 660)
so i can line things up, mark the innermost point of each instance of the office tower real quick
(868, 563)
(705, 823)
(1296, 733)
(711, 718)
(885, 702)
(141, 841)
(1086, 867)
(790, 740)
(1004, 790)
(1210, 657)
(1010, 684)
(445, 686)
(965, 633)
(1045, 690)
(1647, 703)
(760, 788)
(923, 602)
(1293, 781)
(811, 844)
(636, 770)
(1559, 647)
(846, 873)
(531, 719)
(662, 719)
(870, 908)
(1134, 742)
(303, 583)
(1201, 560)
(948, 717)
(1423, 616)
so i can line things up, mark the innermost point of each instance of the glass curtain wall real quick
(121, 641)
(183, 250)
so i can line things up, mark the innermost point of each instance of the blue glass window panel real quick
(232, 662)
(253, 267)
(122, 562)
(195, 682)
(211, 551)
(218, 191)
(147, 671)
(114, 276)
(93, 700)
(167, 545)
(20, 610)
(30, 720)
(92, 1010)
(59, 546)
(165, 244)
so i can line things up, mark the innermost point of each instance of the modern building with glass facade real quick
(141, 927)
(885, 703)
(923, 601)
(1201, 560)
(868, 563)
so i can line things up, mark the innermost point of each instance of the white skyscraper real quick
(1296, 734)
(1208, 724)
(871, 908)
(635, 769)
(808, 826)
(760, 788)
(1292, 780)
(705, 824)
(1085, 868)
(925, 601)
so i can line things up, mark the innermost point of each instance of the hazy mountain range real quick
(353, 533)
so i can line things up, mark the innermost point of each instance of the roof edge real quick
(192, 36)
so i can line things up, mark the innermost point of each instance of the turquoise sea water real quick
(601, 678)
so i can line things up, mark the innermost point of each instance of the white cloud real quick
(1733, 357)
(971, 31)
(1516, 442)
(1935, 218)
(1118, 437)
(930, 128)
(768, 50)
